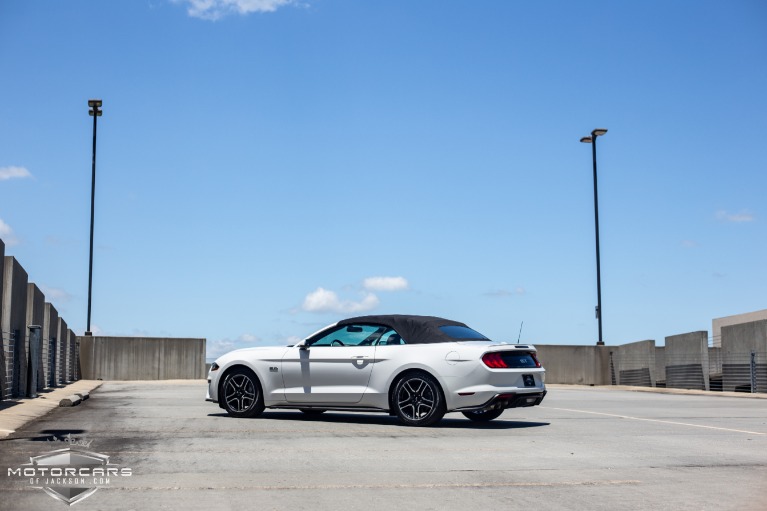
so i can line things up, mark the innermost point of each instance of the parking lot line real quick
(656, 420)
(396, 486)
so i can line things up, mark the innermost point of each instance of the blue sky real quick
(268, 167)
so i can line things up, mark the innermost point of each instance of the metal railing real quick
(6, 378)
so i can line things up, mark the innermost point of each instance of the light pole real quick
(94, 111)
(593, 141)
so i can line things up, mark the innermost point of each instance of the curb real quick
(16, 413)
(72, 400)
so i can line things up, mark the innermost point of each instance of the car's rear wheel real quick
(418, 400)
(241, 392)
(483, 416)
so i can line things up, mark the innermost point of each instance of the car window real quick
(462, 332)
(351, 335)
(390, 338)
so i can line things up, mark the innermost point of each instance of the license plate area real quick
(528, 380)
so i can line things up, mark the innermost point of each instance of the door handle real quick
(360, 357)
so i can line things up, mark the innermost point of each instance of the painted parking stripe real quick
(393, 486)
(656, 420)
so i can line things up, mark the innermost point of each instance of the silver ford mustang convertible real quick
(415, 367)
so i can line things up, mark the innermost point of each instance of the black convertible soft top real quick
(413, 329)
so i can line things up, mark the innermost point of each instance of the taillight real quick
(513, 360)
(494, 361)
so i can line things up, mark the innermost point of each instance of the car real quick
(415, 367)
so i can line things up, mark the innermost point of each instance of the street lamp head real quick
(598, 132)
(95, 107)
(586, 140)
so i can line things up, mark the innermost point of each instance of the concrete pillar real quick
(635, 364)
(14, 326)
(660, 366)
(61, 342)
(738, 341)
(71, 344)
(35, 316)
(687, 361)
(50, 335)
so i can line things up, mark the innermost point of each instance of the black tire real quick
(483, 416)
(417, 400)
(312, 412)
(241, 393)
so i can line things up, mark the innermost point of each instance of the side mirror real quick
(303, 347)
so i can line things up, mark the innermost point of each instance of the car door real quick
(332, 367)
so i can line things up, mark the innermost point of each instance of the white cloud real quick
(385, 283)
(502, 293)
(215, 349)
(743, 216)
(216, 9)
(324, 300)
(690, 244)
(293, 340)
(7, 234)
(96, 331)
(52, 293)
(13, 173)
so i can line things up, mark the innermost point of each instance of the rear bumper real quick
(508, 400)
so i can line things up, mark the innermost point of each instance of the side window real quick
(390, 338)
(352, 335)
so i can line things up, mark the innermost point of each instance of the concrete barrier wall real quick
(578, 365)
(35, 316)
(715, 362)
(141, 358)
(3, 376)
(687, 361)
(635, 364)
(14, 325)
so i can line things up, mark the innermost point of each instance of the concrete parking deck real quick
(583, 448)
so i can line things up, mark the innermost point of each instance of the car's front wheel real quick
(418, 400)
(241, 393)
(483, 416)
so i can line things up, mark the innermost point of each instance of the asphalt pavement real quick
(583, 448)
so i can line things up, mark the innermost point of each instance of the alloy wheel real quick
(240, 393)
(416, 399)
